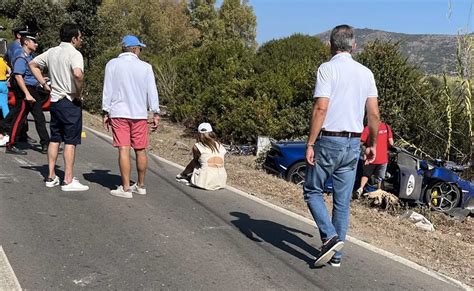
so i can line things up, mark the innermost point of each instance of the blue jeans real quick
(4, 98)
(335, 157)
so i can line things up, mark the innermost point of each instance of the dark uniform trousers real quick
(17, 116)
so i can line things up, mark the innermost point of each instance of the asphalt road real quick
(176, 237)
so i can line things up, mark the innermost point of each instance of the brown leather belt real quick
(340, 133)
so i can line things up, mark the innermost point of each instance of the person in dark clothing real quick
(29, 95)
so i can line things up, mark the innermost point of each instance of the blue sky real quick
(281, 18)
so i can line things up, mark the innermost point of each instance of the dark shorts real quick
(66, 121)
(377, 170)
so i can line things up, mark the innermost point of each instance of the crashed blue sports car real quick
(409, 177)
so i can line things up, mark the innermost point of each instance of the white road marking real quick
(353, 240)
(224, 227)
(8, 280)
(83, 282)
(9, 177)
(22, 161)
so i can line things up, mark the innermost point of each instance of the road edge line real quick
(10, 276)
(351, 239)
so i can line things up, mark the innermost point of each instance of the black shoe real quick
(335, 262)
(44, 149)
(327, 251)
(27, 139)
(14, 150)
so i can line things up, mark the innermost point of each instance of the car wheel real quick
(443, 196)
(296, 173)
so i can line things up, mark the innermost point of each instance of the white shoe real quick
(119, 192)
(50, 183)
(183, 179)
(4, 140)
(75, 185)
(141, 190)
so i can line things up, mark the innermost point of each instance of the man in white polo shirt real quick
(66, 71)
(344, 89)
(129, 92)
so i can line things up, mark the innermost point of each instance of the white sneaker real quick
(75, 185)
(50, 183)
(141, 190)
(4, 140)
(119, 192)
(183, 179)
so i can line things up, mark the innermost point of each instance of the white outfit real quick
(347, 84)
(129, 88)
(209, 176)
(61, 60)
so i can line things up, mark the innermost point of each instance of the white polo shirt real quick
(347, 84)
(61, 61)
(129, 88)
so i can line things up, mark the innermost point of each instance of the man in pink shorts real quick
(129, 93)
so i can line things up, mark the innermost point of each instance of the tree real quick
(84, 14)
(212, 83)
(285, 73)
(239, 21)
(45, 17)
(234, 20)
(163, 25)
(9, 8)
(204, 17)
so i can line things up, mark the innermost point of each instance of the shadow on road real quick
(103, 178)
(44, 170)
(278, 235)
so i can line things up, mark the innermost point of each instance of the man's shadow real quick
(44, 170)
(103, 178)
(280, 236)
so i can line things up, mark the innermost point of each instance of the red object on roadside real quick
(12, 100)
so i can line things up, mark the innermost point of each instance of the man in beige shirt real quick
(66, 66)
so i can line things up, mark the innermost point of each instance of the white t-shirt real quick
(347, 84)
(61, 61)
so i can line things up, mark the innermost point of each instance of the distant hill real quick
(433, 53)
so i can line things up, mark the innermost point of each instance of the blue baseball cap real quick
(131, 40)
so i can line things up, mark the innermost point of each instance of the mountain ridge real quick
(434, 54)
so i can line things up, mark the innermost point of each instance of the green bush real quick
(94, 80)
(285, 74)
(211, 82)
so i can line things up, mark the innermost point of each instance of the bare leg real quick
(124, 165)
(53, 149)
(379, 185)
(69, 156)
(193, 163)
(142, 164)
(189, 168)
(363, 182)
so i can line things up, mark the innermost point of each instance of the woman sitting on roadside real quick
(206, 169)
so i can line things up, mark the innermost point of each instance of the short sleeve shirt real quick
(347, 84)
(20, 67)
(385, 133)
(12, 50)
(61, 61)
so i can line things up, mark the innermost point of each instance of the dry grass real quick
(448, 250)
